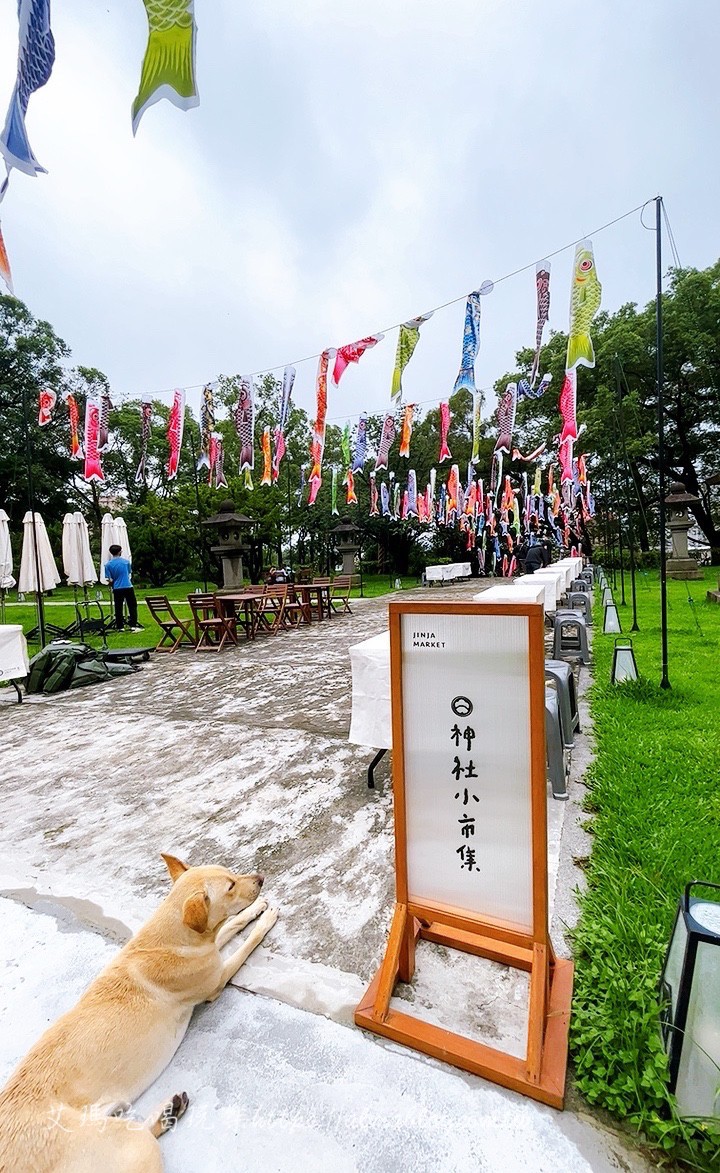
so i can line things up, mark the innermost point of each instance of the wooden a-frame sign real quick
(473, 659)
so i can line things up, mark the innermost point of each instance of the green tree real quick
(32, 359)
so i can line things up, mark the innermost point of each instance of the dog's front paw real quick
(267, 920)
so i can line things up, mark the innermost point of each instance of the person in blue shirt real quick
(118, 572)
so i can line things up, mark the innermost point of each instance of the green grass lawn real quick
(654, 797)
(60, 609)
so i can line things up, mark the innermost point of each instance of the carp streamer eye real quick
(586, 265)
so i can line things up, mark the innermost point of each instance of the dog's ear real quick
(195, 912)
(176, 867)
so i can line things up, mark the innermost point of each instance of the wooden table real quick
(247, 600)
(321, 590)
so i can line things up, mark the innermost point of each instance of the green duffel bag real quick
(94, 670)
(60, 673)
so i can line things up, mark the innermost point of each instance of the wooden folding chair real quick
(340, 593)
(277, 609)
(175, 631)
(213, 629)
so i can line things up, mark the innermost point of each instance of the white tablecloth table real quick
(370, 722)
(14, 664)
(549, 586)
(572, 567)
(448, 573)
(514, 592)
(556, 574)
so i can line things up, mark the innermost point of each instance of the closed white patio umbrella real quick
(49, 577)
(6, 558)
(77, 560)
(107, 539)
(6, 562)
(113, 532)
(122, 539)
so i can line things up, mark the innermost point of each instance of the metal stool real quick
(570, 636)
(561, 673)
(581, 601)
(589, 574)
(581, 584)
(555, 753)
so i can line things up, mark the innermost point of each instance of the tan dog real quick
(102, 1054)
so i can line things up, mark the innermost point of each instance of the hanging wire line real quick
(453, 301)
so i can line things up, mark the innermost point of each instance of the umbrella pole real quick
(2, 604)
(31, 500)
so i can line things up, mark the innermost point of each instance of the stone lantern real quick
(346, 535)
(228, 527)
(680, 564)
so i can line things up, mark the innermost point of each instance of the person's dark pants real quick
(125, 595)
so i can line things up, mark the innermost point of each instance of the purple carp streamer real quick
(526, 390)
(408, 336)
(145, 422)
(36, 55)
(412, 498)
(386, 440)
(542, 285)
(360, 444)
(168, 68)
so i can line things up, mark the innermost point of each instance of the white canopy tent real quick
(49, 577)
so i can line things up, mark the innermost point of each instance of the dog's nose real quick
(260, 879)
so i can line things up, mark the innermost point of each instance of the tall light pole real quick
(659, 375)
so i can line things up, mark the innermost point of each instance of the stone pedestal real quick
(347, 545)
(233, 575)
(230, 529)
(680, 564)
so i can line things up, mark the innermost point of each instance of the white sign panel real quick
(467, 764)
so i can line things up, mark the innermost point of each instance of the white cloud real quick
(351, 165)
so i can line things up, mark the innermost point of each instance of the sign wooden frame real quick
(541, 1073)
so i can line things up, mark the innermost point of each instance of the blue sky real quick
(352, 165)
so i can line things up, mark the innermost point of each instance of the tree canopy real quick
(617, 412)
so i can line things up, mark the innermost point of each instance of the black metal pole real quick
(664, 681)
(201, 532)
(290, 532)
(618, 508)
(31, 501)
(628, 503)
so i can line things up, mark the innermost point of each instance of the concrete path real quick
(243, 758)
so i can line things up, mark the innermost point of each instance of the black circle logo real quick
(461, 706)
